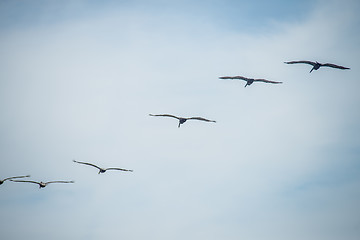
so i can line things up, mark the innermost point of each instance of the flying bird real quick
(182, 119)
(317, 65)
(42, 184)
(3, 180)
(250, 81)
(102, 170)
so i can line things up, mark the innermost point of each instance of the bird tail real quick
(312, 69)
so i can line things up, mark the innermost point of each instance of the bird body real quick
(317, 65)
(9, 178)
(250, 81)
(182, 119)
(102, 170)
(42, 184)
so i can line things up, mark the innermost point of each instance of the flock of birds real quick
(44, 184)
(249, 81)
(316, 66)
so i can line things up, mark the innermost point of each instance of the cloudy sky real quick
(79, 78)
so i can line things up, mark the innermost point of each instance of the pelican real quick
(317, 65)
(250, 81)
(181, 119)
(102, 170)
(42, 184)
(3, 180)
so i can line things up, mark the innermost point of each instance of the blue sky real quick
(225, 14)
(79, 78)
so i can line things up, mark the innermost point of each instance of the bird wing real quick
(90, 164)
(200, 118)
(16, 177)
(164, 115)
(25, 181)
(307, 62)
(266, 81)
(334, 66)
(59, 182)
(236, 77)
(121, 169)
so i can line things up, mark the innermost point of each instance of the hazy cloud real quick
(281, 162)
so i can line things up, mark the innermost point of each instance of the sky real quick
(78, 80)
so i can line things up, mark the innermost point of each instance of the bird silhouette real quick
(3, 180)
(317, 65)
(102, 170)
(42, 184)
(250, 81)
(182, 119)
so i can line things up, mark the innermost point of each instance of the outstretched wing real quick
(200, 118)
(266, 81)
(164, 115)
(306, 62)
(16, 177)
(334, 66)
(25, 181)
(121, 169)
(59, 182)
(237, 77)
(90, 164)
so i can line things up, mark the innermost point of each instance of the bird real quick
(42, 184)
(3, 180)
(102, 170)
(182, 119)
(317, 65)
(250, 81)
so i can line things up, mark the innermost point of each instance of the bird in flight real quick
(182, 119)
(317, 65)
(3, 180)
(42, 184)
(250, 81)
(102, 170)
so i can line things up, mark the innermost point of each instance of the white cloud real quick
(84, 90)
